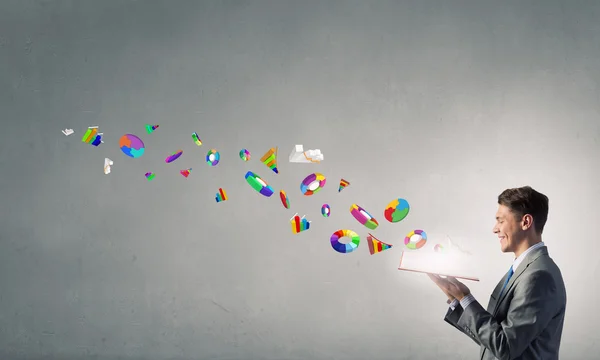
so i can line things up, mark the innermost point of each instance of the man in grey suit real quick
(524, 318)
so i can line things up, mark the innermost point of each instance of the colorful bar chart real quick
(299, 224)
(92, 136)
(221, 195)
(91, 131)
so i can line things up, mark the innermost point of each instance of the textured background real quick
(444, 103)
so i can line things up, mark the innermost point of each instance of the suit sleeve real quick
(530, 310)
(452, 317)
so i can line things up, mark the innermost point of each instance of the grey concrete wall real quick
(444, 103)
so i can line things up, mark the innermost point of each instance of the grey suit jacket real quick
(526, 322)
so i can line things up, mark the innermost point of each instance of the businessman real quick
(525, 315)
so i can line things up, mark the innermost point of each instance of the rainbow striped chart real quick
(270, 159)
(341, 247)
(376, 245)
(343, 184)
(221, 195)
(299, 224)
(410, 242)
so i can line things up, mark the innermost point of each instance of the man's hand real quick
(453, 288)
(460, 290)
(440, 282)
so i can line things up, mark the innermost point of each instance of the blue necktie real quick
(510, 274)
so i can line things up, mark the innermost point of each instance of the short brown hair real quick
(525, 200)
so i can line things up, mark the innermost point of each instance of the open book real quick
(455, 264)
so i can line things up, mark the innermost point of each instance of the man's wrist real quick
(466, 300)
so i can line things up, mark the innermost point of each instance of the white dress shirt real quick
(467, 300)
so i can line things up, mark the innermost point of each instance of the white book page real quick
(454, 264)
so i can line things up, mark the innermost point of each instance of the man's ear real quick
(526, 222)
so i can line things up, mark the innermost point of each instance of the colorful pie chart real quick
(396, 210)
(415, 239)
(347, 247)
(131, 145)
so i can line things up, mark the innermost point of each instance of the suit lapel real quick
(531, 257)
(512, 280)
(495, 293)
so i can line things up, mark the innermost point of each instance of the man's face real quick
(508, 229)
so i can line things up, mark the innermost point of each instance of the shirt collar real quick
(519, 260)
